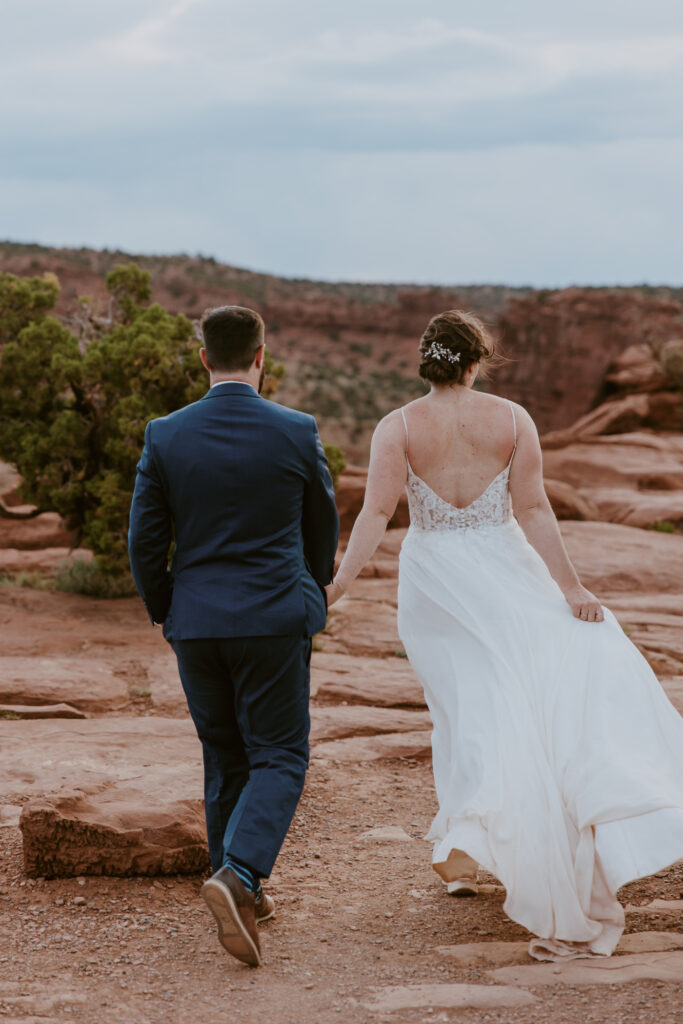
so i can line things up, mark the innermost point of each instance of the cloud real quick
(302, 138)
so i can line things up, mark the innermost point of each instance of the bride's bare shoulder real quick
(521, 414)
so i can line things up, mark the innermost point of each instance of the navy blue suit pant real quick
(249, 700)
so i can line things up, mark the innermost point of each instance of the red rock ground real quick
(357, 914)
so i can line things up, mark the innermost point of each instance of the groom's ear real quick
(260, 356)
(205, 361)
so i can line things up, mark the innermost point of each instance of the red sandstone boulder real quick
(85, 683)
(340, 722)
(568, 503)
(47, 560)
(637, 370)
(44, 531)
(350, 494)
(130, 831)
(662, 410)
(613, 559)
(383, 682)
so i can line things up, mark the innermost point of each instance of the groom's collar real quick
(231, 387)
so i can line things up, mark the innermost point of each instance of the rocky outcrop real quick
(339, 722)
(635, 479)
(43, 531)
(113, 832)
(12, 711)
(350, 494)
(614, 560)
(382, 682)
(84, 683)
(568, 503)
(561, 345)
(45, 561)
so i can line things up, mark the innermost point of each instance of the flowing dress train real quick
(558, 759)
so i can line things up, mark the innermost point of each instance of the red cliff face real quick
(351, 349)
(561, 345)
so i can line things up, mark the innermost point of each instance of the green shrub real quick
(671, 358)
(664, 526)
(74, 407)
(26, 579)
(336, 461)
(81, 576)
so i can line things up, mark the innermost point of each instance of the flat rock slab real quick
(40, 711)
(650, 942)
(114, 830)
(389, 746)
(614, 970)
(615, 559)
(387, 833)
(85, 683)
(9, 815)
(483, 997)
(47, 560)
(43, 757)
(672, 906)
(361, 627)
(487, 954)
(502, 954)
(383, 682)
(160, 676)
(333, 723)
(44, 531)
(117, 796)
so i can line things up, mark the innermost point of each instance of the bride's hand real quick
(334, 592)
(584, 605)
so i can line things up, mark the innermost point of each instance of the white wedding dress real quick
(558, 759)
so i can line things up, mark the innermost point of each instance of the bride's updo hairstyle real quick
(453, 341)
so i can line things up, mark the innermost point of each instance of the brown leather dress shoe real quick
(264, 909)
(234, 909)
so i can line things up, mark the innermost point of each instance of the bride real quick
(558, 759)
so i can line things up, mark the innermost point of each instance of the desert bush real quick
(81, 576)
(671, 358)
(664, 526)
(336, 461)
(74, 404)
(73, 411)
(24, 300)
(27, 579)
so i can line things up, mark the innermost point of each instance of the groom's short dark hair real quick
(232, 337)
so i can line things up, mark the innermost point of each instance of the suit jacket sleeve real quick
(320, 518)
(150, 535)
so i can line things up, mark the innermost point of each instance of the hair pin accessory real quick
(438, 351)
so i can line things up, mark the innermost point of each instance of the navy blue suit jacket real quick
(243, 487)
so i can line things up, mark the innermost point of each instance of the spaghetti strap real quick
(405, 424)
(514, 427)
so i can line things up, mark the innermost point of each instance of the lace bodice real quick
(430, 512)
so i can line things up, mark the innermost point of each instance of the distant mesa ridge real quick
(351, 349)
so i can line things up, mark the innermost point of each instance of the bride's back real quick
(459, 441)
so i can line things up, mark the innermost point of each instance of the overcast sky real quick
(522, 143)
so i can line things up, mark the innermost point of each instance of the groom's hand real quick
(334, 592)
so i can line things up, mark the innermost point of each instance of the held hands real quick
(584, 605)
(334, 592)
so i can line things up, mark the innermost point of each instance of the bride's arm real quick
(387, 475)
(536, 517)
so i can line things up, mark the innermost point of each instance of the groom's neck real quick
(237, 376)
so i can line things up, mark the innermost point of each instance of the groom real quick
(242, 487)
